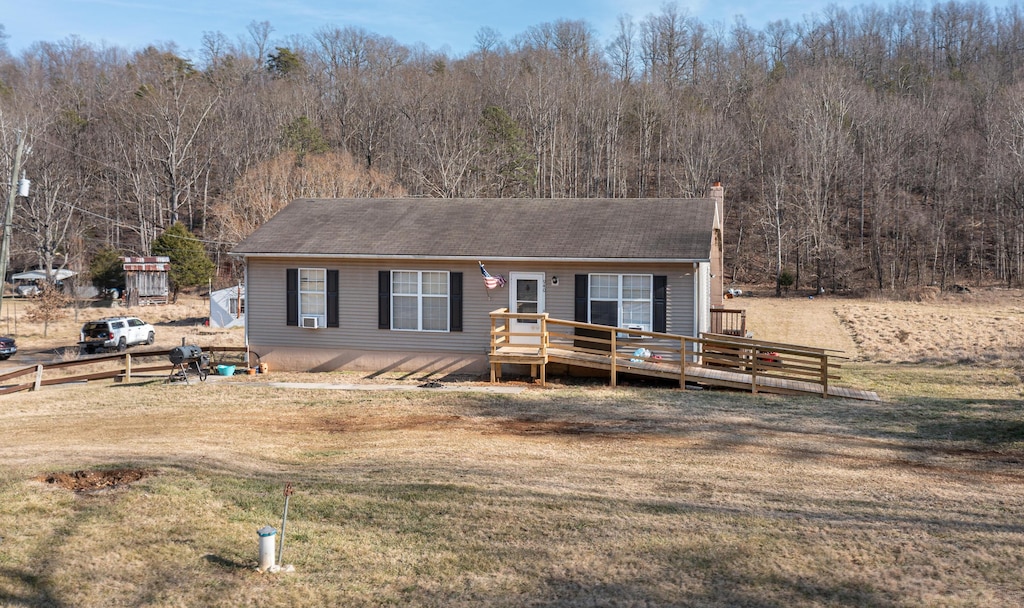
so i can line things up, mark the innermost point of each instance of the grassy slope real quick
(573, 496)
(985, 327)
(568, 497)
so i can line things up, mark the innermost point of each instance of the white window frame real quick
(620, 300)
(307, 310)
(421, 296)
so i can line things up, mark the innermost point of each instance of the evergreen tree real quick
(190, 265)
(304, 137)
(505, 142)
(107, 269)
(284, 62)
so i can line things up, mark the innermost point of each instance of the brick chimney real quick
(718, 247)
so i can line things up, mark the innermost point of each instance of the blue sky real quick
(449, 25)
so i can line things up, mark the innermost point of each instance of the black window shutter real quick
(582, 314)
(660, 303)
(384, 299)
(292, 291)
(455, 302)
(582, 297)
(332, 299)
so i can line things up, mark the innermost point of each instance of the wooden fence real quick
(121, 365)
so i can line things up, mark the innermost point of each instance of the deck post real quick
(543, 348)
(682, 362)
(615, 357)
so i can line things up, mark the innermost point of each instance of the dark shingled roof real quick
(640, 229)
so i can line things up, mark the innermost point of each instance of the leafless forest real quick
(875, 148)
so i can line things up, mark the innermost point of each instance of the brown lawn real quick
(150, 494)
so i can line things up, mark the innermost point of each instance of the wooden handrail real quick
(762, 361)
(728, 321)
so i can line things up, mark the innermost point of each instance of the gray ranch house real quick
(400, 284)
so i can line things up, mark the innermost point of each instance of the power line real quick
(76, 208)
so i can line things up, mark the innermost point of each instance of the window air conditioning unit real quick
(311, 322)
(631, 336)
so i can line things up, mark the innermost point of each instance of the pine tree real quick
(190, 265)
(107, 269)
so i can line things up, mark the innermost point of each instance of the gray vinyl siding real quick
(266, 302)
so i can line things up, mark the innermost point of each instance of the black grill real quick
(185, 355)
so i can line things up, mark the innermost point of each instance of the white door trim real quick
(516, 326)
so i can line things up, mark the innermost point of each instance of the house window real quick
(236, 306)
(419, 300)
(622, 300)
(313, 294)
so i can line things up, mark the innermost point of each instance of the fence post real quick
(753, 369)
(39, 377)
(824, 375)
(127, 367)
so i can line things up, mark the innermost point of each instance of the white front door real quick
(526, 295)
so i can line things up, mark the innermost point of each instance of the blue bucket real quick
(226, 370)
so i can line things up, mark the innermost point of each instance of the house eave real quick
(462, 258)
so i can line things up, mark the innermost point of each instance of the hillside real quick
(980, 327)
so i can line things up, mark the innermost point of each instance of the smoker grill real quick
(189, 359)
(186, 354)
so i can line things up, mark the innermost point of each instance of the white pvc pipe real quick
(267, 540)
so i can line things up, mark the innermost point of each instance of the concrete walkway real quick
(447, 388)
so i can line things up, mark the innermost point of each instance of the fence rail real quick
(113, 365)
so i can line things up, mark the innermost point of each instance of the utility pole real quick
(5, 249)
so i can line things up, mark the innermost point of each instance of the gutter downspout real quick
(245, 323)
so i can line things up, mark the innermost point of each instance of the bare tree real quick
(268, 187)
(868, 145)
(174, 105)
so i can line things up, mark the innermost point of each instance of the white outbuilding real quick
(227, 307)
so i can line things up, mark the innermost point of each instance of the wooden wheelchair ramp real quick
(708, 360)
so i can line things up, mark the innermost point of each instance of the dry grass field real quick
(986, 326)
(574, 495)
(173, 322)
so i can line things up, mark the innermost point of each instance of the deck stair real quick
(708, 360)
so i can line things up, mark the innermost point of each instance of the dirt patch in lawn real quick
(92, 481)
(618, 429)
(603, 429)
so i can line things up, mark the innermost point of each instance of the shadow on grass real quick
(187, 322)
(227, 564)
(36, 590)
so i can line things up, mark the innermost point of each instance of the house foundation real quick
(283, 358)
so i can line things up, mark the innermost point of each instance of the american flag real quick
(491, 281)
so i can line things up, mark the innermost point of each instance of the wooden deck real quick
(724, 361)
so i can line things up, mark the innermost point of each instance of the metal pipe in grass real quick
(284, 521)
